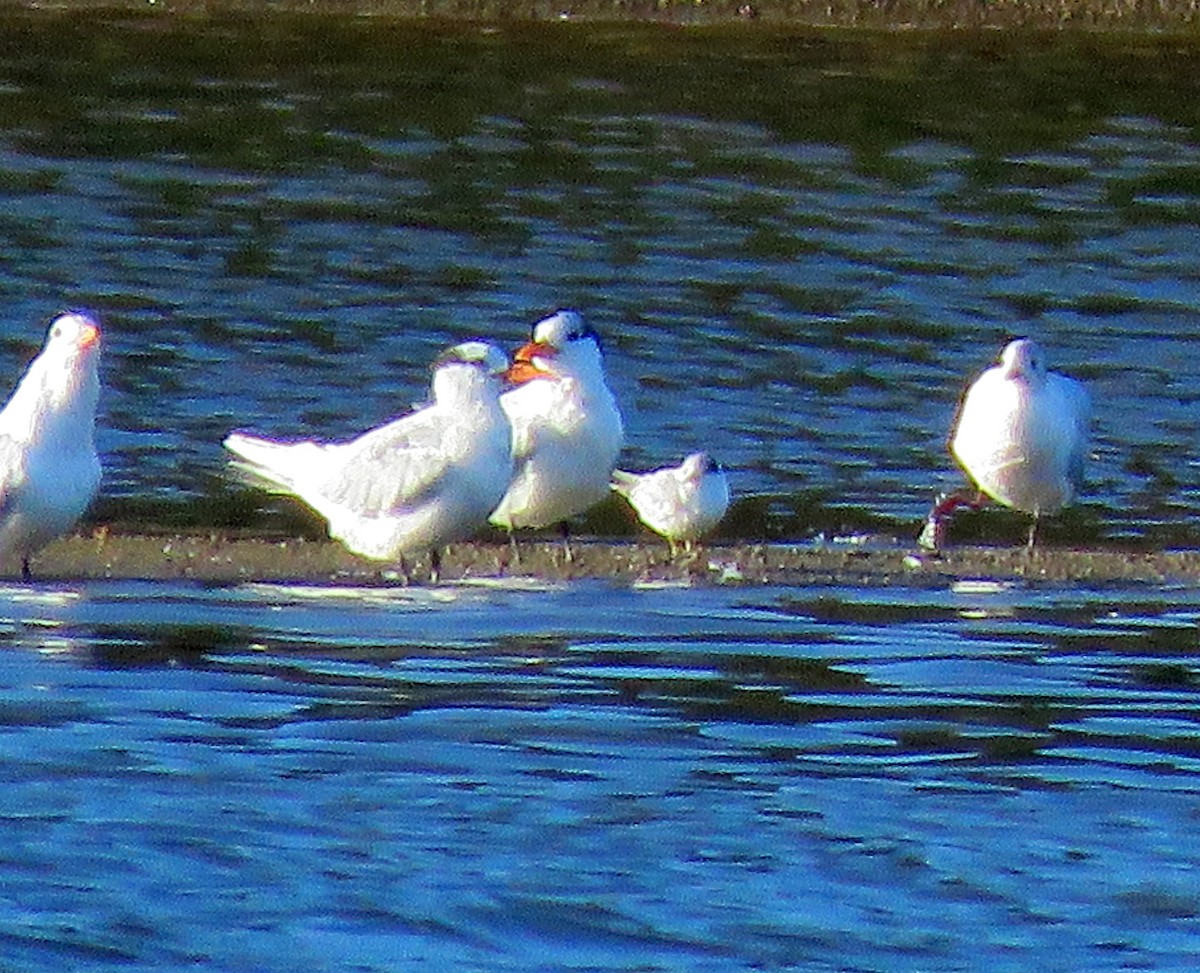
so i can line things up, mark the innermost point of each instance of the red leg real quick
(934, 531)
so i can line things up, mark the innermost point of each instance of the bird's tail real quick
(271, 465)
(622, 482)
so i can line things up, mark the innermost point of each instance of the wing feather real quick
(12, 470)
(1078, 403)
(394, 466)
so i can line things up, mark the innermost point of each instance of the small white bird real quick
(682, 503)
(567, 429)
(416, 483)
(1021, 436)
(49, 470)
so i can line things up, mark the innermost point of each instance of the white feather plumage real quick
(682, 503)
(49, 468)
(567, 429)
(416, 483)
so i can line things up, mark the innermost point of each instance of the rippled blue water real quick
(798, 246)
(526, 778)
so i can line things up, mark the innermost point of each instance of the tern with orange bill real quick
(566, 426)
(49, 468)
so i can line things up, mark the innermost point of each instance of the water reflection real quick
(504, 779)
(941, 672)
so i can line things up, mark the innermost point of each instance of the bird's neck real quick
(49, 409)
(460, 388)
(588, 372)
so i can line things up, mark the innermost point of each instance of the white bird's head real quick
(696, 465)
(561, 345)
(1023, 360)
(72, 333)
(465, 371)
(72, 347)
(479, 353)
(68, 362)
(62, 383)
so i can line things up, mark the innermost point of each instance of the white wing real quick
(394, 466)
(1077, 406)
(659, 498)
(12, 471)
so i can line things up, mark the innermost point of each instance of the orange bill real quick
(523, 368)
(88, 336)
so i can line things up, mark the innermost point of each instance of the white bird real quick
(682, 503)
(567, 429)
(416, 483)
(49, 469)
(1021, 436)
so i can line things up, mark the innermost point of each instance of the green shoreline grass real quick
(1167, 15)
(222, 557)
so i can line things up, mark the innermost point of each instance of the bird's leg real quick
(26, 574)
(1032, 533)
(435, 565)
(402, 570)
(933, 534)
(516, 550)
(568, 554)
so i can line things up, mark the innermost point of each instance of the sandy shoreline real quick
(222, 558)
(1168, 15)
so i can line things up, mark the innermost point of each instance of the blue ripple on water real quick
(543, 787)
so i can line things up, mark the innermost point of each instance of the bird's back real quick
(1023, 443)
(414, 483)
